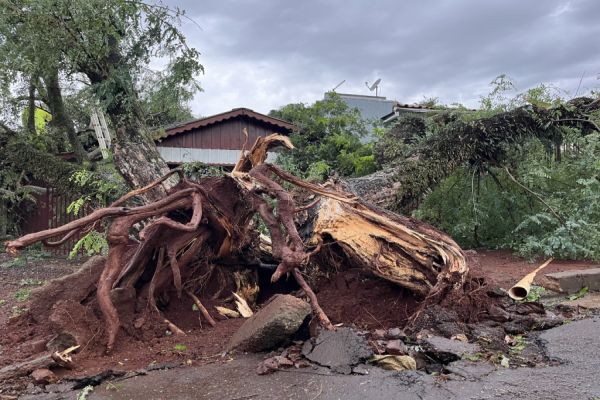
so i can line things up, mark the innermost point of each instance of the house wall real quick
(222, 135)
(217, 144)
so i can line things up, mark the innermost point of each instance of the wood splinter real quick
(174, 328)
(202, 309)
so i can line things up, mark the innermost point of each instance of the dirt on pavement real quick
(348, 297)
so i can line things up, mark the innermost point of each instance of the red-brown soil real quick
(348, 297)
(502, 268)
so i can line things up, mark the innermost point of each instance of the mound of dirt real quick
(353, 297)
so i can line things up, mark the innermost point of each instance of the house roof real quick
(236, 112)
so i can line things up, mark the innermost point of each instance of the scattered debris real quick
(447, 350)
(62, 359)
(272, 325)
(339, 350)
(461, 337)
(242, 306)
(273, 364)
(62, 341)
(395, 333)
(227, 312)
(396, 347)
(394, 363)
(43, 376)
(521, 289)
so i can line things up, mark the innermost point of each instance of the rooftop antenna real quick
(338, 85)
(374, 86)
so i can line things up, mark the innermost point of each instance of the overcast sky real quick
(263, 54)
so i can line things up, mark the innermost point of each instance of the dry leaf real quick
(394, 363)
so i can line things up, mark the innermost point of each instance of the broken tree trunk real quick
(200, 223)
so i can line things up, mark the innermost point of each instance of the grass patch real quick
(580, 293)
(535, 293)
(23, 294)
(26, 256)
(180, 347)
(518, 345)
(31, 282)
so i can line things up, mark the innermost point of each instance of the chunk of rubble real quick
(396, 347)
(469, 370)
(447, 350)
(395, 333)
(43, 376)
(339, 350)
(272, 325)
(273, 364)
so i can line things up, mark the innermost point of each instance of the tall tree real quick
(103, 46)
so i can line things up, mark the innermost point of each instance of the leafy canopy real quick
(328, 139)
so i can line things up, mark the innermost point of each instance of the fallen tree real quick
(479, 143)
(200, 223)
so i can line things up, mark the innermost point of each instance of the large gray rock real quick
(272, 325)
(339, 350)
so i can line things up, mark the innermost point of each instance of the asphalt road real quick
(576, 345)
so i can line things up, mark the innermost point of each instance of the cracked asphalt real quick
(576, 345)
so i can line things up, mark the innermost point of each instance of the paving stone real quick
(571, 281)
(339, 350)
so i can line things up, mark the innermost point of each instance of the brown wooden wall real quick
(51, 212)
(221, 135)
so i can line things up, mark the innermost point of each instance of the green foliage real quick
(100, 188)
(518, 345)
(508, 176)
(34, 253)
(328, 139)
(23, 294)
(30, 282)
(197, 170)
(17, 262)
(180, 347)
(535, 293)
(490, 210)
(85, 392)
(397, 143)
(580, 293)
(92, 243)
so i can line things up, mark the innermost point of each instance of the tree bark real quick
(60, 117)
(219, 212)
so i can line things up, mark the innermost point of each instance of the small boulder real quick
(339, 350)
(43, 376)
(272, 325)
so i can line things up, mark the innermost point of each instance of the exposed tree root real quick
(199, 223)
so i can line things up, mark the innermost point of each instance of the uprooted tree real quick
(480, 143)
(199, 223)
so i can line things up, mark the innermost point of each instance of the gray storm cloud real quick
(265, 54)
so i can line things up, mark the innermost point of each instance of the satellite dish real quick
(374, 86)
